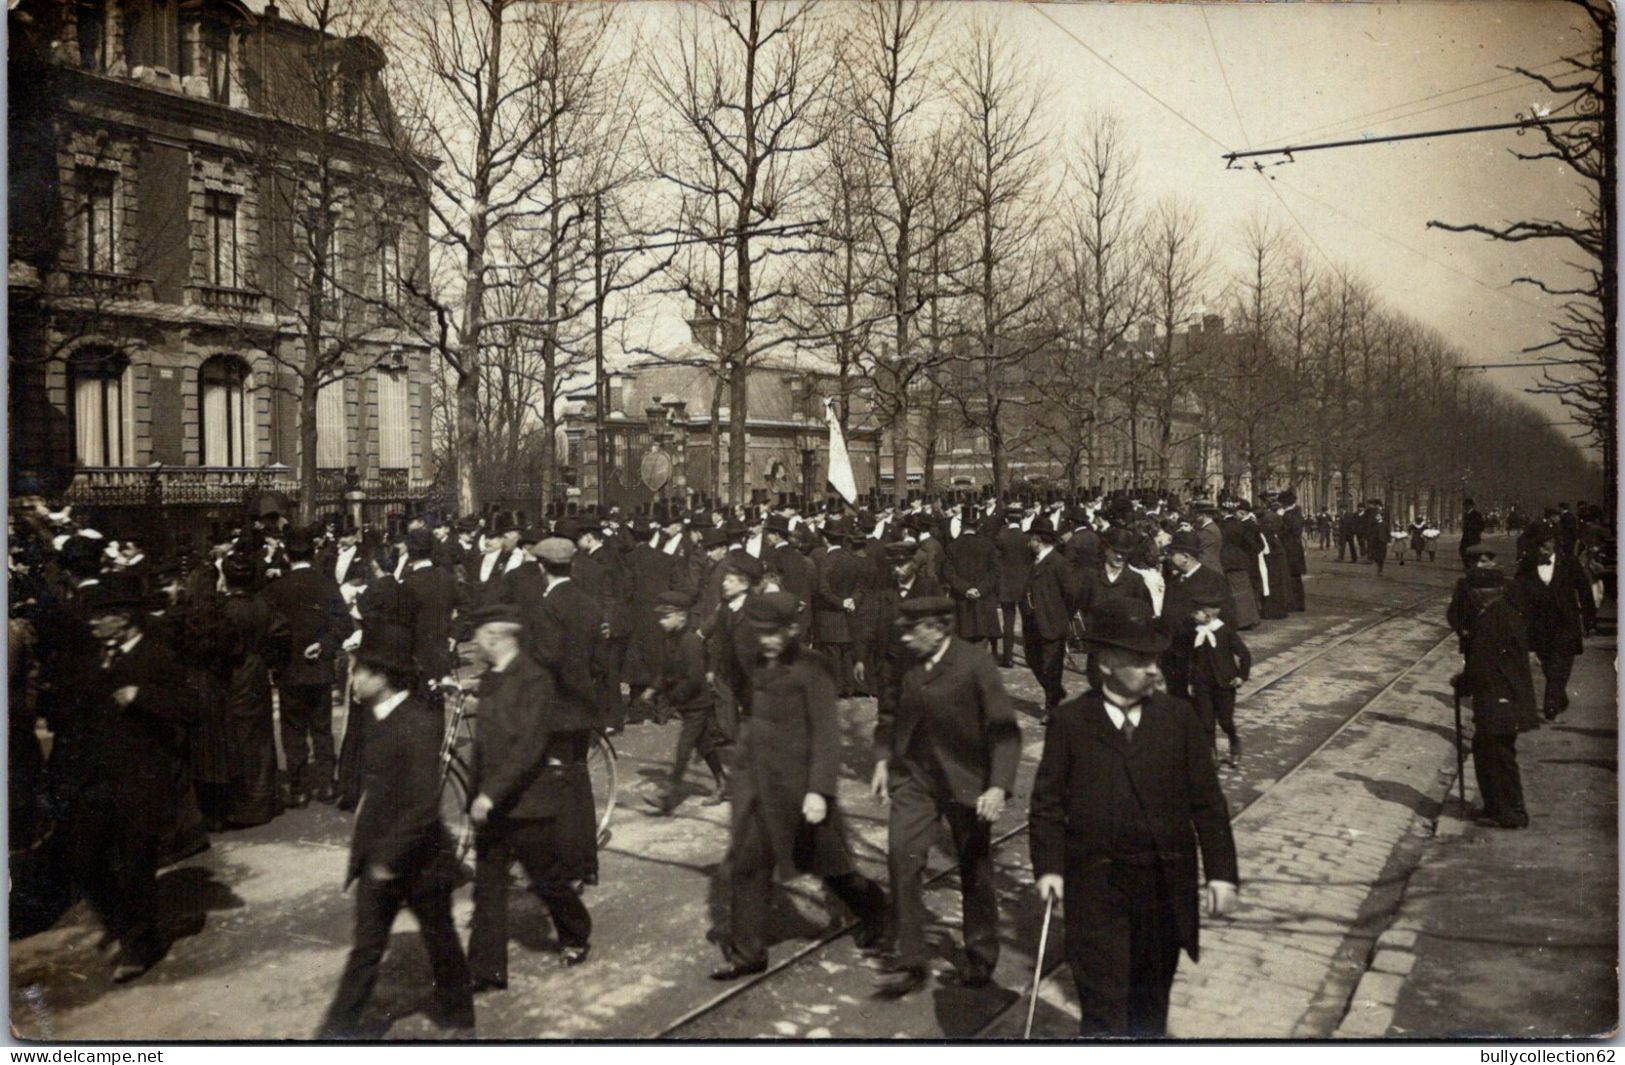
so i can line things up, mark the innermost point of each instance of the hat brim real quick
(385, 662)
(1152, 644)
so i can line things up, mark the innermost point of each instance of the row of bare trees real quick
(883, 188)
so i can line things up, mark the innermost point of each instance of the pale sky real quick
(1302, 72)
(1299, 73)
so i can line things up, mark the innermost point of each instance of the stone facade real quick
(202, 280)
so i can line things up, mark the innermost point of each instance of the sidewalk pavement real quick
(1515, 933)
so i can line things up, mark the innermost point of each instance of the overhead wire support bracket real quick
(1520, 125)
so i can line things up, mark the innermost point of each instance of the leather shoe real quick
(297, 800)
(904, 980)
(481, 983)
(570, 957)
(974, 974)
(326, 794)
(737, 970)
(126, 970)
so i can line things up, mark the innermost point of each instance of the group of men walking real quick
(750, 626)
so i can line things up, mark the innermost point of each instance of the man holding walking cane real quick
(1126, 791)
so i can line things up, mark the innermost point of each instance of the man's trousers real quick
(915, 811)
(496, 848)
(306, 712)
(376, 905)
(1122, 945)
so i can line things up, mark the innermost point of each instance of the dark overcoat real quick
(790, 746)
(1015, 562)
(1556, 611)
(953, 725)
(398, 822)
(521, 763)
(308, 602)
(1497, 677)
(842, 575)
(1170, 765)
(973, 562)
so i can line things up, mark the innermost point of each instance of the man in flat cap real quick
(533, 800)
(1465, 601)
(562, 631)
(945, 751)
(784, 784)
(1125, 793)
(686, 690)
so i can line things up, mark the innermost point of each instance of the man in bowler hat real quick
(401, 854)
(1126, 792)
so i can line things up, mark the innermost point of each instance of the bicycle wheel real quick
(601, 771)
(454, 800)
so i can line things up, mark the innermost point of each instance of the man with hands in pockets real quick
(1126, 793)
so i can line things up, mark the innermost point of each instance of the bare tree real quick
(1176, 266)
(471, 87)
(1585, 332)
(332, 232)
(1004, 283)
(747, 87)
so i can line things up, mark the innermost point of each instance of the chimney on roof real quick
(703, 326)
(1212, 323)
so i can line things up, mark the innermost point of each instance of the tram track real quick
(809, 950)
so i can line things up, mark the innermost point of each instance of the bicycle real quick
(456, 773)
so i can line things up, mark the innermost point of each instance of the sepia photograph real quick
(678, 522)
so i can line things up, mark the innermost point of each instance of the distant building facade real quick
(657, 428)
(153, 258)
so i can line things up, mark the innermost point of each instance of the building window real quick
(91, 25)
(102, 410)
(216, 45)
(97, 235)
(332, 436)
(227, 421)
(389, 266)
(220, 218)
(394, 421)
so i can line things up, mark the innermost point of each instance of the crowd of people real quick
(165, 678)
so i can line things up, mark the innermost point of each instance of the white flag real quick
(840, 463)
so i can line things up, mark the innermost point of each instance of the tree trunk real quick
(307, 440)
(899, 447)
(714, 488)
(738, 492)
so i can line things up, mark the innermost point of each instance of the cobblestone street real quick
(1347, 732)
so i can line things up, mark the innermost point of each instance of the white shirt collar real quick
(1117, 714)
(421, 563)
(552, 583)
(1044, 552)
(129, 645)
(298, 566)
(385, 708)
(942, 649)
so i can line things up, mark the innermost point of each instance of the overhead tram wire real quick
(1038, 7)
(1352, 119)
(1225, 74)
(1035, 6)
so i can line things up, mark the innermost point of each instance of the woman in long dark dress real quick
(1276, 602)
(247, 629)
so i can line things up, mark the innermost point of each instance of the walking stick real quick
(1038, 967)
(1461, 762)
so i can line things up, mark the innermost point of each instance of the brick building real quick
(662, 406)
(155, 269)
